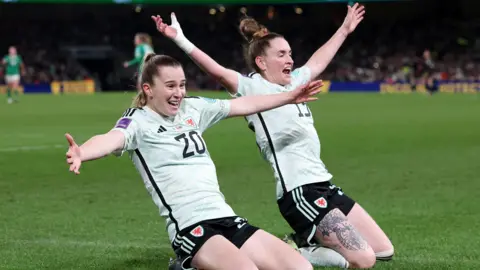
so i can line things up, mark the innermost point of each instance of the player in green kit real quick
(13, 65)
(143, 46)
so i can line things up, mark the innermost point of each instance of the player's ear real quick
(147, 89)
(260, 62)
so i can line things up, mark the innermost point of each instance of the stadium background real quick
(65, 42)
(411, 160)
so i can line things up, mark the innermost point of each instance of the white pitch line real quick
(32, 148)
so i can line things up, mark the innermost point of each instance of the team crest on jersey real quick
(197, 231)
(189, 122)
(321, 202)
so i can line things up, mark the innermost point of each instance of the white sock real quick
(320, 256)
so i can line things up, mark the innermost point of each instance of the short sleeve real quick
(131, 130)
(211, 111)
(248, 86)
(300, 76)
(138, 52)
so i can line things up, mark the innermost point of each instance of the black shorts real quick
(305, 206)
(191, 239)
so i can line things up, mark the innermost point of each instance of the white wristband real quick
(184, 44)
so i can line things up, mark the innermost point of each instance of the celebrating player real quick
(143, 47)
(317, 210)
(163, 135)
(14, 65)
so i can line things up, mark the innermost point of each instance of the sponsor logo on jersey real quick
(321, 202)
(123, 123)
(197, 231)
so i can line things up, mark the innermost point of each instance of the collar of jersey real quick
(158, 116)
(283, 88)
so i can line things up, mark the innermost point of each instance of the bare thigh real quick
(336, 232)
(370, 230)
(220, 254)
(269, 252)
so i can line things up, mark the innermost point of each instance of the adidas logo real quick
(161, 129)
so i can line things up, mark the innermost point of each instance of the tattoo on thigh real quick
(336, 222)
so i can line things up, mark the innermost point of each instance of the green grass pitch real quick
(412, 161)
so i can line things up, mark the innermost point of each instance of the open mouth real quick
(174, 103)
(287, 71)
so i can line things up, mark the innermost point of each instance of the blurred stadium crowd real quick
(397, 41)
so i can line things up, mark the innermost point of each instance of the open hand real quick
(73, 155)
(171, 31)
(306, 92)
(353, 18)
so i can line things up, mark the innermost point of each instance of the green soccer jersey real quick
(13, 64)
(141, 52)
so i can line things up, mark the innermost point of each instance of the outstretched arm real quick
(227, 77)
(96, 147)
(319, 61)
(248, 105)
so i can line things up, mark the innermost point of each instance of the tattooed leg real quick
(336, 232)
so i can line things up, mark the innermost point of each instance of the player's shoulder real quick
(198, 103)
(302, 71)
(131, 116)
(137, 114)
(192, 100)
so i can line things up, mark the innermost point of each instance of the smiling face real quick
(276, 62)
(167, 91)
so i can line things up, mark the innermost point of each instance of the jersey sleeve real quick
(248, 86)
(211, 111)
(300, 76)
(131, 129)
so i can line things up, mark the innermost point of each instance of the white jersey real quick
(286, 135)
(172, 158)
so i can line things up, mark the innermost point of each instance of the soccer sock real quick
(9, 92)
(320, 256)
(16, 93)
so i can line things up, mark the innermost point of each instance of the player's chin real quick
(171, 110)
(286, 79)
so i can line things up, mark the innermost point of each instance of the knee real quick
(301, 265)
(247, 267)
(366, 260)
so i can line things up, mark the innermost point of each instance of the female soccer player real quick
(317, 210)
(14, 65)
(143, 47)
(163, 135)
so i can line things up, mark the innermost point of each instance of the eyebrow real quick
(173, 81)
(284, 51)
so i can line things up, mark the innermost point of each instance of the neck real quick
(153, 108)
(269, 78)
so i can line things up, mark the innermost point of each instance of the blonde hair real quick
(149, 70)
(145, 38)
